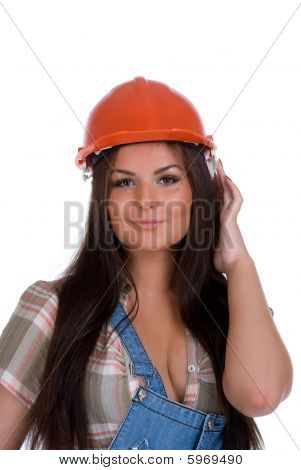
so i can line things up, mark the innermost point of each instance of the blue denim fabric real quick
(153, 421)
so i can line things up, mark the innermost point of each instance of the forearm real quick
(258, 370)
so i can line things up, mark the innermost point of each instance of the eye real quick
(173, 178)
(119, 183)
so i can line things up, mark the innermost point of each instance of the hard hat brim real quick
(127, 137)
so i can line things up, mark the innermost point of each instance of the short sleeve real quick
(25, 339)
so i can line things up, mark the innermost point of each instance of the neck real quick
(152, 271)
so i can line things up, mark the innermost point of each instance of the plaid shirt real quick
(108, 384)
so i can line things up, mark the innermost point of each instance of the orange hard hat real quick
(137, 111)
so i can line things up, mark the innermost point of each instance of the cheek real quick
(179, 219)
(178, 212)
(120, 212)
(116, 211)
(180, 207)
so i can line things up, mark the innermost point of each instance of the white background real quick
(238, 62)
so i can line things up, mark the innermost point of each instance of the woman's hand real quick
(231, 247)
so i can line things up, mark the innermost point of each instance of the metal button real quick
(210, 424)
(191, 368)
(142, 394)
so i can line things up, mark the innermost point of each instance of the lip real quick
(149, 223)
(153, 221)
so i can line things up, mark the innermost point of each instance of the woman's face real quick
(140, 189)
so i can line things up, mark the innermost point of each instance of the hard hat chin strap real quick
(211, 160)
(94, 158)
(86, 173)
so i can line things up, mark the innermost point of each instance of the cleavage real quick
(167, 348)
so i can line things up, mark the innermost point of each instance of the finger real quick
(219, 185)
(227, 190)
(237, 198)
(227, 182)
(235, 191)
(231, 195)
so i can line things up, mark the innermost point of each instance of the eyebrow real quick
(127, 172)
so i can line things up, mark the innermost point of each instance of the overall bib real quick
(153, 421)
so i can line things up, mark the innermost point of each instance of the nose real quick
(148, 196)
(147, 203)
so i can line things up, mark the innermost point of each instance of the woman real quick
(202, 355)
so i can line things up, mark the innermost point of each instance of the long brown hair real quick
(88, 291)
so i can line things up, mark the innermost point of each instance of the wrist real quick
(245, 261)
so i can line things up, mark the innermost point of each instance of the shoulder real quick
(40, 290)
(37, 305)
(38, 299)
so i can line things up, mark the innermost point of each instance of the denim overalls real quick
(153, 421)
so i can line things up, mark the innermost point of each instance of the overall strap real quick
(140, 362)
